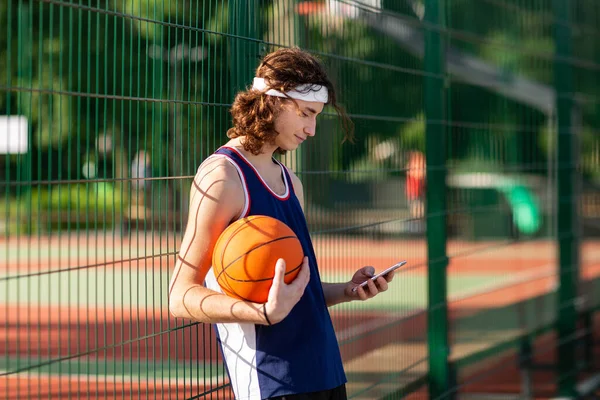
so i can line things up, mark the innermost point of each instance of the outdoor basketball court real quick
(98, 304)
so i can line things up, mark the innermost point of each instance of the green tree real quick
(143, 74)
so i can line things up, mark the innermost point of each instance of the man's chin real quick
(290, 147)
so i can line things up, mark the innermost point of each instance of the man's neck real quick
(263, 159)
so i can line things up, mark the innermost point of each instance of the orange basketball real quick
(245, 255)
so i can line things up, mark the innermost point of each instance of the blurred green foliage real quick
(89, 206)
(156, 75)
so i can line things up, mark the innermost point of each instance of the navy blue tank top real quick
(300, 354)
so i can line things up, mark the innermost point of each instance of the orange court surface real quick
(120, 342)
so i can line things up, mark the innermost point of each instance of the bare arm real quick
(217, 198)
(208, 217)
(336, 293)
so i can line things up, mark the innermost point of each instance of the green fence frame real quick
(435, 139)
(245, 42)
(442, 379)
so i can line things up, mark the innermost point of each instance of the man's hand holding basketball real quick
(283, 297)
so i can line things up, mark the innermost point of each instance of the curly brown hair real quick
(254, 112)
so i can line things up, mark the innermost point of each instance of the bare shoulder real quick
(217, 164)
(295, 179)
(217, 180)
(217, 170)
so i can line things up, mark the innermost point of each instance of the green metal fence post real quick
(567, 211)
(244, 24)
(157, 130)
(24, 75)
(435, 147)
(300, 21)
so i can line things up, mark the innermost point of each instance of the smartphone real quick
(382, 273)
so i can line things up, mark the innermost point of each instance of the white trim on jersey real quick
(238, 343)
(280, 196)
(246, 208)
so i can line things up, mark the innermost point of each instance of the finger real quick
(306, 271)
(303, 276)
(363, 274)
(277, 279)
(372, 288)
(382, 283)
(361, 293)
(279, 272)
(389, 276)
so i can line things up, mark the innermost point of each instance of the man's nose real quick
(311, 128)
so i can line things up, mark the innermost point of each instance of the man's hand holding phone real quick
(365, 284)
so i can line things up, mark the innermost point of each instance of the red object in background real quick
(309, 7)
(415, 175)
(415, 187)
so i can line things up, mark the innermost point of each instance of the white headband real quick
(306, 92)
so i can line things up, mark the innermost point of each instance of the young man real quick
(287, 346)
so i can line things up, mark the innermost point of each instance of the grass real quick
(84, 366)
(140, 287)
